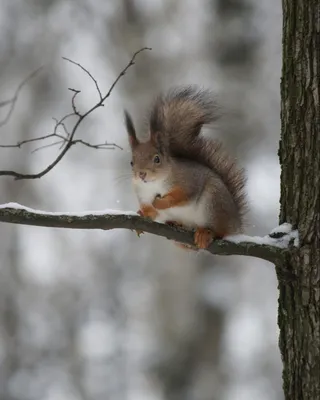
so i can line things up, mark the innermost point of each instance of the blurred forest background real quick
(90, 315)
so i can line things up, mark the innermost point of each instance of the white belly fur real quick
(191, 215)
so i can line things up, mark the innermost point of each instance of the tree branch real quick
(266, 248)
(12, 102)
(67, 140)
(63, 139)
(88, 73)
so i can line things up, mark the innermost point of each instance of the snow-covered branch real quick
(270, 248)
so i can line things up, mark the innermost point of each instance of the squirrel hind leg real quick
(182, 246)
(203, 237)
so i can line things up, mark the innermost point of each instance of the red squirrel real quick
(180, 176)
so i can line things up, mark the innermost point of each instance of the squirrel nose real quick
(142, 175)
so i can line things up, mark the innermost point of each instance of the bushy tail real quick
(179, 116)
(210, 153)
(182, 112)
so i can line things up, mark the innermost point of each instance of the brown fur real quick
(182, 112)
(194, 169)
(179, 116)
(176, 197)
(210, 154)
(148, 211)
(203, 237)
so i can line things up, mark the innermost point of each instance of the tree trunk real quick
(299, 301)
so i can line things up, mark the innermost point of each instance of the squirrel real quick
(182, 177)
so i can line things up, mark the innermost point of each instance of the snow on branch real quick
(267, 248)
(63, 137)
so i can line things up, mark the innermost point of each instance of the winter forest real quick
(96, 315)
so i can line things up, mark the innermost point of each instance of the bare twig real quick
(88, 73)
(70, 140)
(123, 72)
(19, 144)
(64, 139)
(248, 247)
(102, 146)
(75, 93)
(59, 123)
(13, 100)
(46, 146)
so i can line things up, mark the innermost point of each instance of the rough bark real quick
(299, 301)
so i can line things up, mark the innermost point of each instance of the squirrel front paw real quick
(148, 211)
(161, 203)
(203, 237)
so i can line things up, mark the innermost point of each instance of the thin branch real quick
(19, 144)
(46, 146)
(88, 73)
(13, 100)
(270, 249)
(70, 141)
(64, 139)
(130, 64)
(73, 99)
(101, 146)
(59, 123)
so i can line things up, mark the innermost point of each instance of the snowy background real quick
(105, 315)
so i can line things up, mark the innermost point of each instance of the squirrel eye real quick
(156, 159)
(131, 163)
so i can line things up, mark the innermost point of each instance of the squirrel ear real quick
(130, 129)
(159, 140)
(157, 117)
(156, 126)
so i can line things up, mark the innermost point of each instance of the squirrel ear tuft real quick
(157, 117)
(130, 129)
(159, 140)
